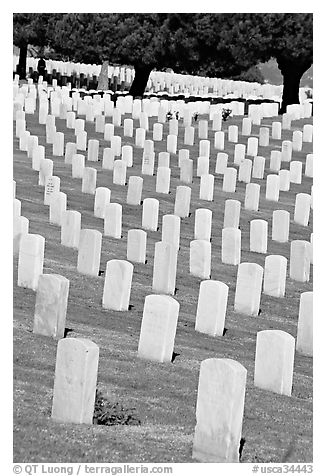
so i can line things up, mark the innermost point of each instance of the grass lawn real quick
(276, 428)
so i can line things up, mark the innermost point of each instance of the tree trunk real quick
(103, 79)
(21, 67)
(292, 74)
(140, 80)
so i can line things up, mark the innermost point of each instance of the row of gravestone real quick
(203, 449)
(222, 382)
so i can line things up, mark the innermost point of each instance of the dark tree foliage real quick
(254, 37)
(212, 44)
(29, 29)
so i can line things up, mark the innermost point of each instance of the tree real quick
(253, 37)
(29, 29)
(212, 44)
(145, 41)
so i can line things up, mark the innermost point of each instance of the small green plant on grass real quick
(107, 413)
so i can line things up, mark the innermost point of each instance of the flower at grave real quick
(226, 113)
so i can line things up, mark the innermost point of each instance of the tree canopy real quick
(212, 44)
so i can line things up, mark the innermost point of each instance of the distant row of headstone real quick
(222, 382)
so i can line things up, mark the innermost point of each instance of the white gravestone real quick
(135, 187)
(46, 170)
(189, 136)
(286, 121)
(128, 125)
(37, 156)
(272, 187)
(165, 268)
(211, 307)
(89, 180)
(102, 198)
(108, 132)
(108, 159)
(30, 260)
(20, 228)
(286, 151)
(219, 140)
(116, 146)
(307, 133)
(163, 180)
(204, 148)
(113, 220)
(296, 172)
(75, 381)
(71, 150)
(77, 166)
(233, 134)
(275, 161)
(171, 144)
(304, 342)
(244, 174)
(171, 230)
(58, 144)
(127, 155)
(284, 180)
(117, 285)
(148, 163)
(258, 167)
(119, 173)
(202, 129)
(58, 205)
(300, 260)
(239, 153)
(309, 165)
(158, 328)
(52, 185)
(264, 137)
(231, 246)
(252, 195)
(182, 201)
(93, 148)
(150, 214)
(140, 137)
(202, 166)
(230, 180)
(221, 162)
(89, 252)
(157, 132)
(274, 361)
(203, 224)
(252, 146)
(81, 140)
(276, 130)
(51, 305)
(200, 258)
(280, 226)
(70, 228)
(248, 288)
(219, 411)
(302, 209)
(136, 246)
(231, 214)
(186, 170)
(246, 126)
(297, 141)
(275, 275)
(164, 159)
(206, 191)
(258, 236)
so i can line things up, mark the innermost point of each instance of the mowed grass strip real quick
(276, 428)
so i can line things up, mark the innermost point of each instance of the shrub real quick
(106, 413)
